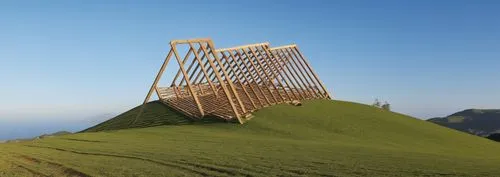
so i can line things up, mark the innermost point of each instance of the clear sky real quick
(73, 61)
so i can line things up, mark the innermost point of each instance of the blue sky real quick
(72, 61)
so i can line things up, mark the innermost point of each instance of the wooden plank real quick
(242, 46)
(267, 74)
(303, 70)
(205, 65)
(269, 68)
(299, 74)
(246, 77)
(239, 81)
(158, 93)
(226, 92)
(247, 71)
(313, 72)
(197, 57)
(253, 78)
(179, 71)
(293, 79)
(275, 65)
(231, 85)
(250, 72)
(196, 40)
(189, 68)
(158, 76)
(188, 82)
(283, 47)
(260, 76)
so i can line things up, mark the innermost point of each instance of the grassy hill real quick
(320, 138)
(482, 122)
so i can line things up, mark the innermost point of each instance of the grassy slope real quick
(322, 138)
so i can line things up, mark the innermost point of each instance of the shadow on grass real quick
(155, 114)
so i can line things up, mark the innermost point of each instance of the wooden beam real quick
(298, 73)
(242, 46)
(253, 77)
(261, 77)
(251, 71)
(313, 72)
(267, 75)
(277, 64)
(197, 57)
(231, 85)
(197, 40)
(283, 47)
(231, 56)
(239, 81)
(303, 70)
(269, 68)
(294, 79)
(189, 68)
(153, 86)
(273, 64)
(179, 71)
(188, 82)
(226, 92)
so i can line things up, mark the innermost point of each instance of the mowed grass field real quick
(320, 138)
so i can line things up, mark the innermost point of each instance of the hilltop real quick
(320, 138)
(481, 122)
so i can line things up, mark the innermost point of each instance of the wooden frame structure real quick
(231, 83)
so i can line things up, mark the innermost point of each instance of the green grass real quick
(321, 138)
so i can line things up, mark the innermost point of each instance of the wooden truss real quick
(231, 83)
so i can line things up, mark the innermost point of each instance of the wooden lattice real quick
(231, 83)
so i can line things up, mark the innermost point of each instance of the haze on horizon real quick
(65, 63)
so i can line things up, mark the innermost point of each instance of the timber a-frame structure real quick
(231, 83)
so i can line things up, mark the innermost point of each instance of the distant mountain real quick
(494, 137)
(481, 122)
(59, 133)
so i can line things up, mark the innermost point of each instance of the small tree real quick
(377, 103)
(386, 106)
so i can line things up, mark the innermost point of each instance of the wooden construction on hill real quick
(231, 83)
